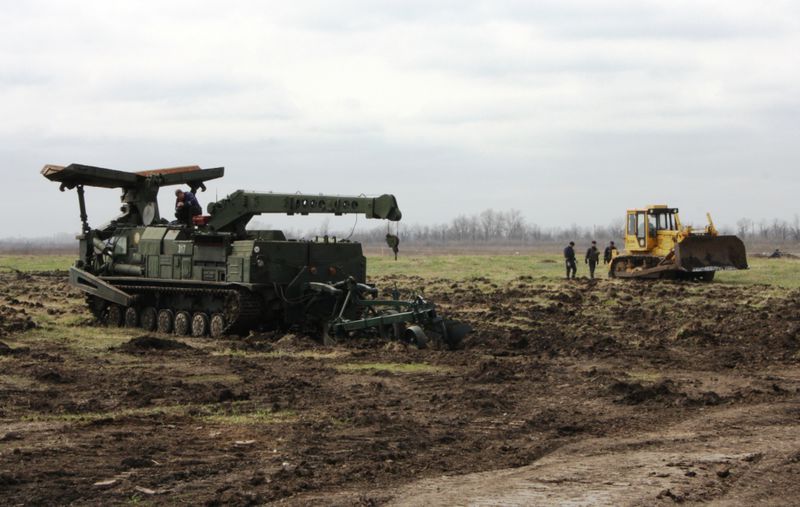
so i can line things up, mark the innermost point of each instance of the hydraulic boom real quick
(234, 212)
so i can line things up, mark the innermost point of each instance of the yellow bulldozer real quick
(658, 246)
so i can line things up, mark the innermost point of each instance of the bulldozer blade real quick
(710, 253)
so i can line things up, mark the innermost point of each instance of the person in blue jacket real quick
(186, 207)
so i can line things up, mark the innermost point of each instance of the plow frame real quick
(419, 316)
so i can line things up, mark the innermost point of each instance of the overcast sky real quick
(570, 111)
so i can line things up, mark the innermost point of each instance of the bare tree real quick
(796, 228)
(744, 226)
(461, 228)
(515, 225)
(488, 222)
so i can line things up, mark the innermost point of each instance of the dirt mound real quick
(262, 342)
(149, 343)
(14, 320)
(294, 342)
(51, 376)
(493, 372)
(634, 393)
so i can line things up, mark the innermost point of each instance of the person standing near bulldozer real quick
(608, 254)
(592, 258)
(569, 258)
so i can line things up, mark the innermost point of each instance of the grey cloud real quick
(468, 132)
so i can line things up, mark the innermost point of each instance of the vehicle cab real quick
(652, 230)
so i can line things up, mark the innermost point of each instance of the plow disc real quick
(710, 253)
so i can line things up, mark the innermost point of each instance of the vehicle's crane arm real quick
(234, 212)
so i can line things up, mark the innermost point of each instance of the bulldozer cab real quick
(651, 230)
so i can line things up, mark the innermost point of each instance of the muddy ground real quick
(567, 392)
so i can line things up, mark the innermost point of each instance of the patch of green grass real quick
(644, 376)
(497, 268)
(37, 262)
(245, 418)
(300, 354)
(137, 499)
(504, 268)
(84, 338)
(76, 320)
(96, 416)
(212, 377)
(778, 272)
(391, 367)
(17, 382)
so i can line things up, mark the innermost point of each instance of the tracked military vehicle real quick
(214, 276)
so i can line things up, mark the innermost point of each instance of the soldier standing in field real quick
(592, 258)
(569, 258)
(608, 254)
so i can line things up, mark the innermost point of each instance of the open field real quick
(498, 268)
(605, 392)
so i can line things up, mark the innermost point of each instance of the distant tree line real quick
(493, 227)
(775, 230)
(57, 244)
(511, 228)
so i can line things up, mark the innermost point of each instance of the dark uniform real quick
(186, 207)
(608, 254)
(569, 258)
(592, 259)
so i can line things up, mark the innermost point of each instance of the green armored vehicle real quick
(213, 276)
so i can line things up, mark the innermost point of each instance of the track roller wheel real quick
(131, 317)
(165, 321)
(115, 315)
(183, 323)
(149, 319)
(199, 324)
(218, 325)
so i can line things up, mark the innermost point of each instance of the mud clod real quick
(152, 343)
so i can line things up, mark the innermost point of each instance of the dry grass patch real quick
(238, 417)
(392, 368)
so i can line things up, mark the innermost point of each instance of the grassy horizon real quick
(499, 268)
